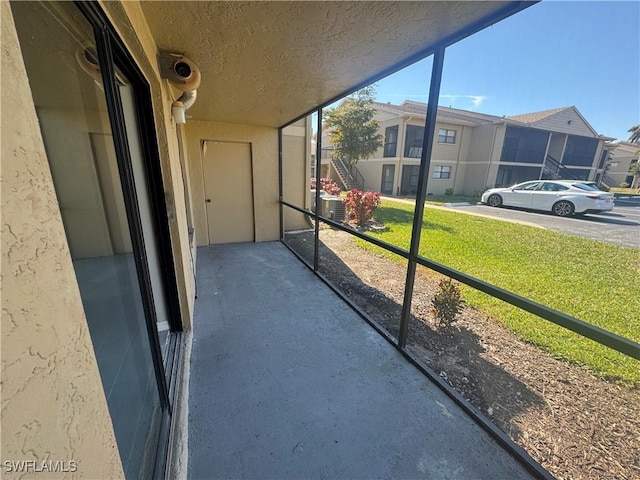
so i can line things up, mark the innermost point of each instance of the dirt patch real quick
(574, 424)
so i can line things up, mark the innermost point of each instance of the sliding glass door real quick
(90, 102)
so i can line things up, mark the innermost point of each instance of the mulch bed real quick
(573, 423)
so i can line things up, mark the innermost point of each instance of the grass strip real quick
(594, 281)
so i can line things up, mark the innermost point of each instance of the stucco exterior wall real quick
(129, 21)
(496, 153)
(371, 170)
(556, 145)
(621, 159)
(447, 151)
(264, 148)
(386, 120)
(296, 188)
(596, 160)
(53, 404)
(474, 163)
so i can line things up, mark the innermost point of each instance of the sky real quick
(552, 54)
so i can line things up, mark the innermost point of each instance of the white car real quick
(562, 197)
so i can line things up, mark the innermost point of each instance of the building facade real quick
(623, 155)
(475, 150)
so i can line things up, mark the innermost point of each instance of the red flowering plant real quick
(328, 185)
(361, 205)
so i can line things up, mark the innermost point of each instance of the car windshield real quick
(589, 187)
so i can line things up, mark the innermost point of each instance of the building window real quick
(413, 141)
(440, 171)
(446, 136)
(390, 141)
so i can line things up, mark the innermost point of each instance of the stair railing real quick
(560, 170)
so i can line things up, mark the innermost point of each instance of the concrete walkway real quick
(288, 382)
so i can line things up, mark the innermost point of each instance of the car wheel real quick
(494, 200)
(563, 208)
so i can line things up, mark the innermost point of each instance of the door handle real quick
(208, 200)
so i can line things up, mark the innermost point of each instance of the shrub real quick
(360, 205)
(447, 303)
(624, 185)
(328, 185)
(448, 192)
(477, 194)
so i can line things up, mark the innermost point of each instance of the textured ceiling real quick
(265, 63)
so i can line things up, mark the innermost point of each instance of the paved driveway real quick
(621, 226)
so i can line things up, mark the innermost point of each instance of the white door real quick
(228, 184)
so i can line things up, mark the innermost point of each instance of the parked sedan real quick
(562, 197)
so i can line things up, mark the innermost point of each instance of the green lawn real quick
(440, 199)
(594, 281)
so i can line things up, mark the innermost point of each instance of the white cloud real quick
(476, 100)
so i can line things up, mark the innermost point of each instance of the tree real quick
(354, 130)
(635, 134)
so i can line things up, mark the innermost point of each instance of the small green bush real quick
(448, 191)
(624, 185)
(447, 303)
(477, 193)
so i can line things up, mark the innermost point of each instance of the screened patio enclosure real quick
(119, 243)
(310, 232)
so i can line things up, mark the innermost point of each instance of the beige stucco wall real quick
(496, 153)
(264, 148)
(596, 160)
(556, 145)
(296, 157)
(386, 120)
(621, 159)
(128, 19)
(371, 170)
(477, 145)
(447, 151)
(53, 404)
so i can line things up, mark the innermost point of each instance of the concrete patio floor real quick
(288, 382)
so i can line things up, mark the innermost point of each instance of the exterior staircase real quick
(350, 177)
(607, 181)
(554, 170)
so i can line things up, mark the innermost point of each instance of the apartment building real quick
(475, 150)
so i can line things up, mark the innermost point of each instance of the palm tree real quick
(635, 134)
